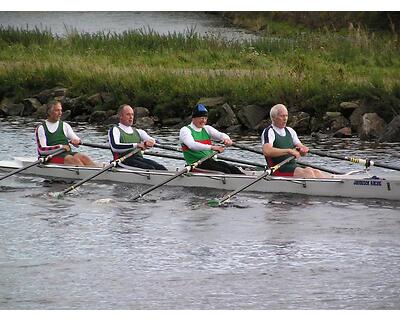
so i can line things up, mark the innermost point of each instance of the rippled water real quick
(98, 250)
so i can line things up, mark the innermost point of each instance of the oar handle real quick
(96, 145)
(366, 162)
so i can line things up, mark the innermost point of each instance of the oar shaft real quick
(365, 162)
(96, 145)
(112, 164)
(185, 170)
(298, 161)
(224, 158)
(41, 160)
(268, 172)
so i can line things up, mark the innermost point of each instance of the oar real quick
(366, 162)
(112, 164)
(96, 145)
(268, 172)
(187, 169)
(224, 158)
(39, 161)
(239, 146)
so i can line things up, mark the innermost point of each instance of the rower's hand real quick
(67, 147)
(227, 142)
(141, 145)
(294, 152)
(75, 142)
(303, 150)
(220, 149)
(149, 143)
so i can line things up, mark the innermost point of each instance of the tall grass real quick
(168, 73)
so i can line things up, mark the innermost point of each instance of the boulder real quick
(82, 118)
(171, 121)
(144, 122)
(356, 117)
(251, 115)
(46, 95)
(13, 109)
(236, 129)
(41, 112)
(372, 126)
(348, 107)
(343, 133)
(66, 115)
(98, 117)
(31, 105)
(114, 119)
(227, 117)
(316, 124)
(300, 122)
(262, 125)
(94, 100)
(141, 112)
(212, 102)
(60, 92)
(392, 131)
(5, 102)
(334, 121)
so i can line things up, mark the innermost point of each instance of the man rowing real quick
(196, 140)
(124, 138)
(54, 134)
(280, 142)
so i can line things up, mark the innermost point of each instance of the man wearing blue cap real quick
(196, 140)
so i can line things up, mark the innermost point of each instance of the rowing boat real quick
(353, 185)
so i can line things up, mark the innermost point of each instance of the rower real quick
(195, 139)
(54, 134)
(124, 138)
(280, 142)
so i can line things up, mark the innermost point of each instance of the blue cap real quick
(199, 110)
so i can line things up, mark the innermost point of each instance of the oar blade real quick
(214, 203)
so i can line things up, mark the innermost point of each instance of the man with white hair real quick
(280, 142)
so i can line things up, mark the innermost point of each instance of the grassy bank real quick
(313, 71)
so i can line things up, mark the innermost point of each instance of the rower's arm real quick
(114, 138)
(185, 137)
(270, 151)
(41, 141)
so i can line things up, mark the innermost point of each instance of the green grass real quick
(313, 71)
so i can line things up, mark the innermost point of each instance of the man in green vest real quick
(124, 138)
(280, 142)
(196, 140)
(54, 134)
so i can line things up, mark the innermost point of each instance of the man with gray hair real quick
(54, 134)
(280, 142)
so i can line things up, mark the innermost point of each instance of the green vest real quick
(285, 142)
(58, 137)
(133, 137)
(202, 137)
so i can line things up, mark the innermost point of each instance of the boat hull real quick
(359, 186)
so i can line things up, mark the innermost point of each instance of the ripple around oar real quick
(9, 189)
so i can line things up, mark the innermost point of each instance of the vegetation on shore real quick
(310, 71)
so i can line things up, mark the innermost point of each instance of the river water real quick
(96, 249)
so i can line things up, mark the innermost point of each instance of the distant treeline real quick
(333, 20)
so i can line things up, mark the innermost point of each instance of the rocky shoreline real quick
(352, 118)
